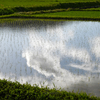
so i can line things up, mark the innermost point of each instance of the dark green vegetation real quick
(16, 91)
(82, 15)
(37, 8)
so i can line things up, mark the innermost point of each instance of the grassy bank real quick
(30, 3)
(66, 15)
(82, 15)
(16, 91)
(37, 8)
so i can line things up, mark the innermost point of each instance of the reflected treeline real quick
(38, 24)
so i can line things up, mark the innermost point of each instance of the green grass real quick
(72, 14)
(31, 9)
(24, 4)
(14, 3)
(16, 91)
(91, 9)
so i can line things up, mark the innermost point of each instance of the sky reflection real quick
(63, 53)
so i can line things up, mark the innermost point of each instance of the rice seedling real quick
(59, 75)
(48, 7)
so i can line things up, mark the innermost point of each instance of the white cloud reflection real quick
(96, 46)
(64, 55)
(51, 47)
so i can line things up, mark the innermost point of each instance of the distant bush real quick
(16, 91)
(6, 11)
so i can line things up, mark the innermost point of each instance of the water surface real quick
(64, 53)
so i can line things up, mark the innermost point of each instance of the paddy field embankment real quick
(51, 9)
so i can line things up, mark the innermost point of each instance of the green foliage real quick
(16, 91)
(6, 11)
(32, 5)
(76, 15)
(51, 9)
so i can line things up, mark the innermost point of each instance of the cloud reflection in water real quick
(63, 53)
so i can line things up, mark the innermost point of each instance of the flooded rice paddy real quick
(64, 54)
